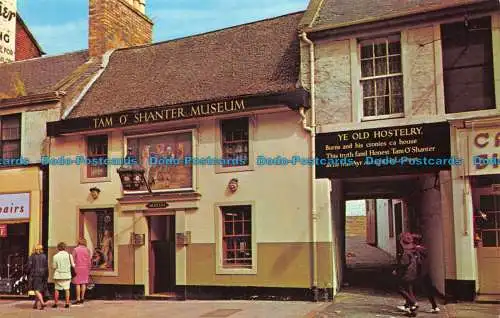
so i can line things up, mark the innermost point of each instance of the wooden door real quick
(488, 251)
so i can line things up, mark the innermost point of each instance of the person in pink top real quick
(83, 262)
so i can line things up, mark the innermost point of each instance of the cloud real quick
(62, 38)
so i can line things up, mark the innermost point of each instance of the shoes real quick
(43, 307)
(66, 306)
(435, 310)
(54, 306)
(77, 302)
(404, 308)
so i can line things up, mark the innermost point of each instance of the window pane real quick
(11, 127)
(395, 64)
(380, 49)
(383, 105)
(369, 107)
(228, 228)
(490, 222)
(489, 238)
(99, 226)
(397, 104)
(11, 150)
(469, 89)
(368, 88)
(396, 85)
(367, 68)
(366, 51)
(247, 228)
(235, 143)
(394, 48)
(382, 86)
(487, 203)
(381, 66)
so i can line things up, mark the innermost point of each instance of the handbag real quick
(73, 271)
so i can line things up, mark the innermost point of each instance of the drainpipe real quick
(312, 130)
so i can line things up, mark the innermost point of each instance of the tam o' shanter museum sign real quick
(385, 151)
(167, 113)
(8, 15)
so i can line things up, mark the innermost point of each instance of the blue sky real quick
(61, 26)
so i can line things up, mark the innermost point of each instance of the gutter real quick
(104, 65)
(312, 130)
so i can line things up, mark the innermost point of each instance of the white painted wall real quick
(384, 242)
(355, 208)
(432, 230)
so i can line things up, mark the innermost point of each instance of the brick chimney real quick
(116, 24)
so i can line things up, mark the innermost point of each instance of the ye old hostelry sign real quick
(431, 141)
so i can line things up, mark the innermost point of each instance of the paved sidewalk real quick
(360, 254)
(360, 303)
(177, 309)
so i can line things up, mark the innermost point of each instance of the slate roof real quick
(39, 75)
(251, 59)
(338, 13)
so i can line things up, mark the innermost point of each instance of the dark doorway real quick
(162, 253)
(14, 251)
(398, 224)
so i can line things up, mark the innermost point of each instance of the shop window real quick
(97, 227)
(236, 237)
(487, 221)
(468, 65)
(10, 136)
(166, 159)
(235, 142)
(97, 152)
(381, 77)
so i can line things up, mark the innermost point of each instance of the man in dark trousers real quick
(424, 279)
(407, 272)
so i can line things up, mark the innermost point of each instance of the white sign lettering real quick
(14, 206)
(8, 9)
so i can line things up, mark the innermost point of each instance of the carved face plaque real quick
(233, 185)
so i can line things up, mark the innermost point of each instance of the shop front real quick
(20, 224)
(484, 177)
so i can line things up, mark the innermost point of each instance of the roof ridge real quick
(210, 32)
(45, 57)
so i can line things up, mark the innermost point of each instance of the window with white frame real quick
(381, 76)
(236, 236)
(235, 142)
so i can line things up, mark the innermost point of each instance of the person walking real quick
(62, 263)
(83, 263)
(424, 280)
(38, 273)
(406, 272)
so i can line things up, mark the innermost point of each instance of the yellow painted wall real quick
(280, 195)
(25, 179)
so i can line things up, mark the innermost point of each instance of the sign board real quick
(167, 113)
(484, 146)
(384, 151)
(8, 9)
(157, 205)
(3, 230)
(14, 206)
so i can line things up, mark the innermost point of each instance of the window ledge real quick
(220, 169)
(236, 271)
(381, 117)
